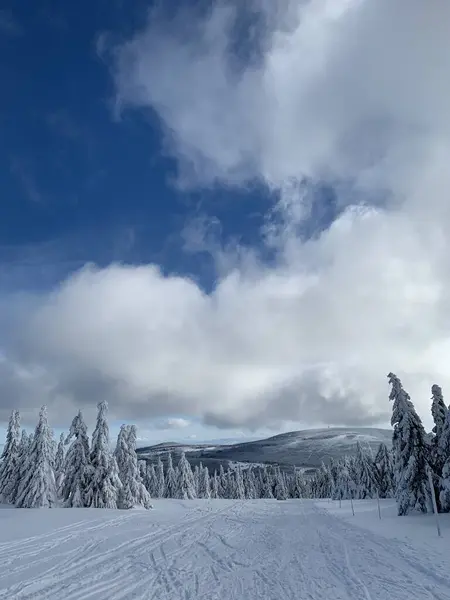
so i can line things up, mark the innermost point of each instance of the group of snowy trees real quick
(403, 472)
(235, 483)
(36, 472)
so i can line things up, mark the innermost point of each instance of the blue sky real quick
(247, 187)
(81, 185)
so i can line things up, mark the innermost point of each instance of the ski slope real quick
(216, 550)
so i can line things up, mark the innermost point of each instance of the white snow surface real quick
(224, 549)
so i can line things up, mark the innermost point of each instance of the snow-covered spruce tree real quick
(384, 472)
(59, 463)
(444, 447)
(104, 482)
(215, 492)
(9, 467)
(238, 487)
(408, 441)
(185, 484)
(204, 487)
(366, 476)
(438, 457)
(250, 484)
(299, 488)
(266, 484)
(196, 475)
(160, 480)
(37, 489)
(171, 478)
(133, 492)
(151, 482)
(280, 491)
(77, 466)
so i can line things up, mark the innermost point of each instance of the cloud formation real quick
(353, 92)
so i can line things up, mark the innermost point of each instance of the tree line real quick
(35, 471)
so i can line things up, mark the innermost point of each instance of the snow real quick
(224, 550)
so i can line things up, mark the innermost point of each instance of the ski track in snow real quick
(216, 550)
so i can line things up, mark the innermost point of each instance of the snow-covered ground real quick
(223, 549)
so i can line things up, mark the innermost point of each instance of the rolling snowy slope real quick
(218, 550)
(301, 448)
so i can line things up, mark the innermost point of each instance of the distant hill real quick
(305, 449)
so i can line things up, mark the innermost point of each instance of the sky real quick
(226, 220)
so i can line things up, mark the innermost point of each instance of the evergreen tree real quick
(77, 467)
(384, 472)
(59, 463)
(299, 488)
(9, 467)
(444, 449)
(37, 489)
(104, 483)
(150, 480)
(280, 486)
(366, 475)
(160, 480)
(408, 441)
(266, 484)
(185, 484)
(215, 492)
(204, 488)
(238, 487)
(132, 492)
(171, 479)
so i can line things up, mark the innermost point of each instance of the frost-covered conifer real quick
(185, 484)
(59, 463)
(132, 492)
(384, 472)
(104, 483)
(238, 484)
(249, 483)
(215, 493)
(444, 448)
(151, 482)
(299, 488)
(171, 478)
(160, 480)
(366, 476)
(280, 492)
(204, 488)
(266, 484)
(37, 489)
(77, 468)
(408, 441)
(9, 467)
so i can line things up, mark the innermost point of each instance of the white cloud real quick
(349, 91)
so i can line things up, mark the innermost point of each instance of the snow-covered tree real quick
(384, 472)
(132, 492)
(9, 467)
(266, 484)
(171, 478)
(77, 468)
(366, 476)
(215, 492)
(59, 463)
(37, 489)
(280, 491)
(104, 482)
(204, 487)
(185, 484)
(408, 441)
(160, 480)
(444, 449)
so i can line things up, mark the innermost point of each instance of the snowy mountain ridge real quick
(306, 448)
